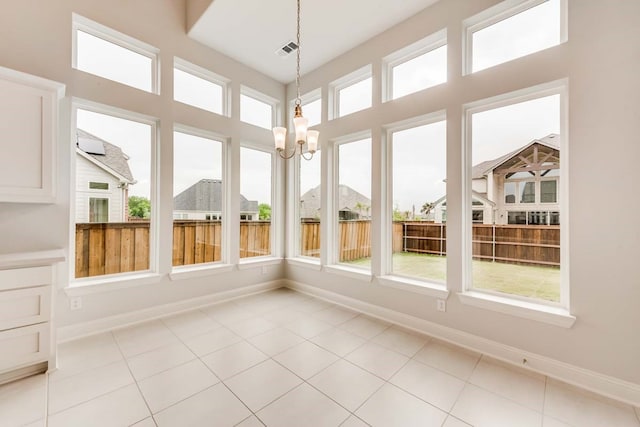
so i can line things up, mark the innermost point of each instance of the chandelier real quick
(300, 123)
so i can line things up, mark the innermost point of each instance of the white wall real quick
(37, 40)
(602, 63)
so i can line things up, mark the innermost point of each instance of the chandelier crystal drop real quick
(300, 123)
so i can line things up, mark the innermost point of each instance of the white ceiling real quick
(250, 31)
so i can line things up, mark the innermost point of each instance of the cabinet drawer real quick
(24, 346)
(24, 307)
(25, 277)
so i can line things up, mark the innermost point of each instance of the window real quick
(515, 142)
(352, 93)
(498, 35)
(309, 206)
(353, 203)
(256, 109)
(98, 210)
(255, 202)
(117, 151)
(99, 185)
(104, 52)
(199, 87)
(418, 242)
(198, 198)
(418, 66)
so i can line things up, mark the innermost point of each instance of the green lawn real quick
(528, 281)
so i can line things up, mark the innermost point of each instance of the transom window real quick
(256, 108)
(199, 87)
(352, 93)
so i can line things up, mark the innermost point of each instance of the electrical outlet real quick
(441, 305)
(75, 303)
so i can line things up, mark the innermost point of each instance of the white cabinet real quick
(28, 134)
(26, 282)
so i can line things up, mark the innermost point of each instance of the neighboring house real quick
(351, 204)
(103, 178)
(520, 187)
(203, 200)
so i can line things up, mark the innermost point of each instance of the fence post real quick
(493, 244)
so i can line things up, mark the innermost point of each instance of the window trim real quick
(501, 11)
(80, 23)
(344, 82)
(208, 75)
(427, 44)
(558, 87)
(154, 233)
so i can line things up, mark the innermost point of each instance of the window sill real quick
(354, 273)
(417, 286)
(313, 264)
(198, 270)
(540, 312)
(256, 262)
(90, 286)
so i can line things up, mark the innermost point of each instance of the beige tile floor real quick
(282, 358)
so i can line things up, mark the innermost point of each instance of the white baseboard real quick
(598, 383)
(80, 330)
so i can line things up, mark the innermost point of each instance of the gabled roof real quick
(206, 196)
(348, 199)
(482, 169)
(113, 159)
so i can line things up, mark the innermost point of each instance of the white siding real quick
(87, 172)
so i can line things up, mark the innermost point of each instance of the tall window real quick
(107, 53)
(117, 153)
(309, 206)
(198, 87)
(419, 196)
(497, 35)
(353, 203)
(255, 202)
(516, 151)
(198, 199)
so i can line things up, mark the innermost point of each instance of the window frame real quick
(414, 50)
(546, 311)
(266, 99)
(344, 82)
(80, 23)
(294, 242)
(126, 279)
(389, 278)
(223, 264)
(502, 11)
(277, 200)
(208, 75)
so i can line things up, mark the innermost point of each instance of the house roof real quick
(113, 157)
(348, 199)
(482, 169)
(206, 195)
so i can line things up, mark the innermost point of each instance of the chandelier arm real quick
(305, 157)
(286, 156)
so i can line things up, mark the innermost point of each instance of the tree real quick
(265, 211)
(139, 207)
(426, 208)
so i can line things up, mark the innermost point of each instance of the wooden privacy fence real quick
(108, 248)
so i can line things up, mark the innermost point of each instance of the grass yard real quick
(523, 280)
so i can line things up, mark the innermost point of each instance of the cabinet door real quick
(28, 126)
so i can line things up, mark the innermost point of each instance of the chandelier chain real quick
(298, 57)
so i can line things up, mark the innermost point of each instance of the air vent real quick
(287, 49)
